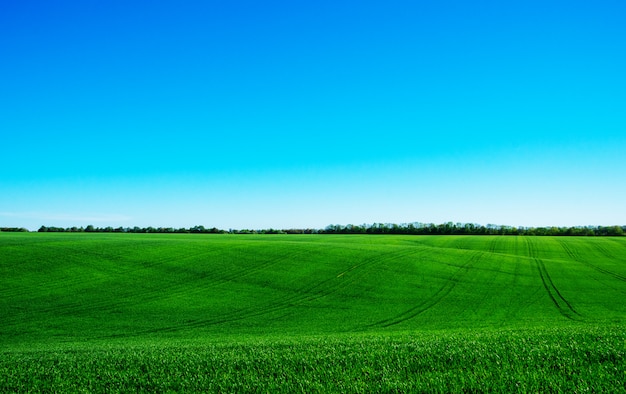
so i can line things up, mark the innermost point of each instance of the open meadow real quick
(311, 313)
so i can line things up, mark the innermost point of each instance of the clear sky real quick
(258, 114)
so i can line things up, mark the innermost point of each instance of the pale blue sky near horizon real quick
(242, 114)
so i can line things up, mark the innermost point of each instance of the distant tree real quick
(197, 229)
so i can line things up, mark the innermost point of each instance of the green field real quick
(145, 312)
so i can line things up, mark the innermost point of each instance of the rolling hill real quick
(94, 291)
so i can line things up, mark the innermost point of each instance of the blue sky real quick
(241, 114)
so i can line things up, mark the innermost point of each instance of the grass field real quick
(145, 312)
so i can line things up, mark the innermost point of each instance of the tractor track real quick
(433, 300)
(304, 295)
(559, 301)
(576, 257)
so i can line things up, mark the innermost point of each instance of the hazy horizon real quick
(286, 115)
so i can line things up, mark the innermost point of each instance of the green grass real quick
(128, 312)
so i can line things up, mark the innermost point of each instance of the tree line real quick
(172, 230)
(416, 228)
(159, 230)
(451, 228)
(13, 230)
